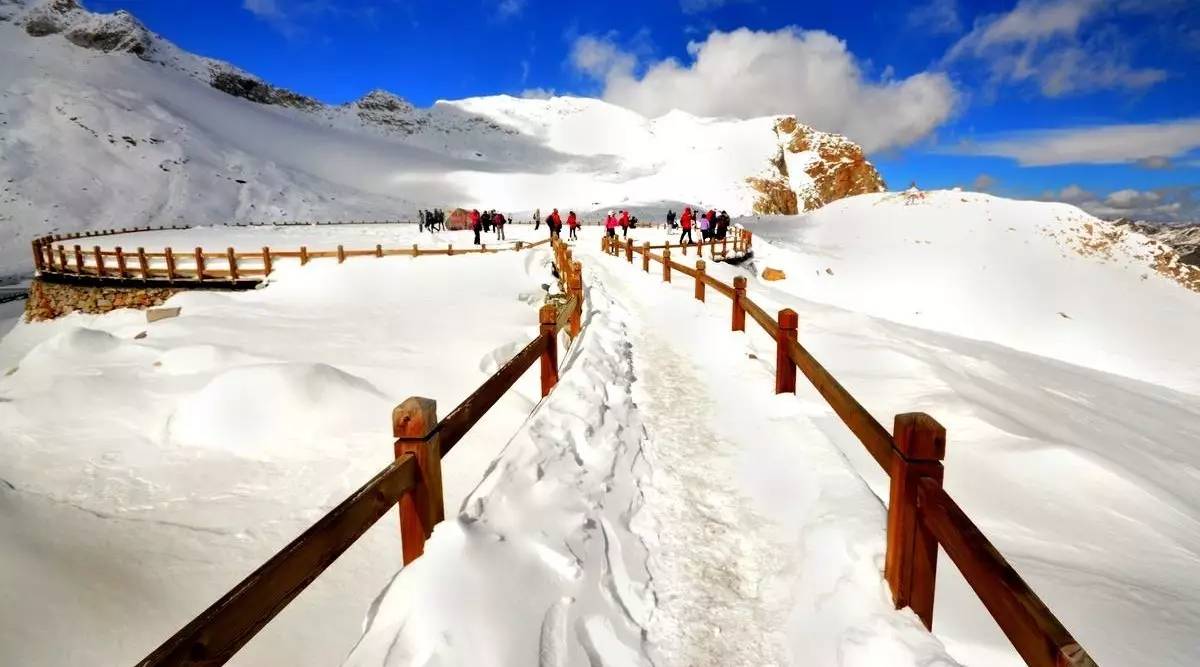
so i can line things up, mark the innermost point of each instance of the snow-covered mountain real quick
(104, 123)
(1185, 239)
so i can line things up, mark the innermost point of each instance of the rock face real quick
(1184, 239)
(812, 169)
(389, 111)
(118, 31)
(245, 86)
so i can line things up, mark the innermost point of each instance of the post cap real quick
(788, 319)
(416, 417)
(919, 437)
(739, 282)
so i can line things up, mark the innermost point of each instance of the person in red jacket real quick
(554, 222)
(573, 223)
(475, 224)
(624, 222)
(610, 225)
(685, 221)
(498, 225)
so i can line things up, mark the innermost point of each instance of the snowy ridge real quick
(187, 139)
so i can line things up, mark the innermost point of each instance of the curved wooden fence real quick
(56, 258)
(921, 514)
(413, 481)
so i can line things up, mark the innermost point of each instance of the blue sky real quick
(1089, 101)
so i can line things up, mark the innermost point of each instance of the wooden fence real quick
(413, 481)
(921, 514)
(197, 266)
(738, 242)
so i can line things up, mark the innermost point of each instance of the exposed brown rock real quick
(48, 301)
(773, 274)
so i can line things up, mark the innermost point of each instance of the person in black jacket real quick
(671, 219)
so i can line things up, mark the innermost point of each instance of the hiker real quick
(610, 225)
(439, 219)
(633, 222)
(537, 218)
(624, 222)
(420, 220)
(573, 223)
(722, 225)
(671, 219)
(476, 224)
(554, 222)
(705, 223)
(685, 221)
(498, 223)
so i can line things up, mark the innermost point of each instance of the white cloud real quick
(1105, 144)
(1062, 46)
(936, 16)
(747, 73)
(1155, 162)
(983, 183)
(266, 9)
(1162, 205)
(509, 8)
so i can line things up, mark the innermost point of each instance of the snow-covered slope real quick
(103, 123)
(1033, 276)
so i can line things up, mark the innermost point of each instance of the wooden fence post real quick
(910, 566)
(303, 255)
(199, 263)
(604, 243)
(121, 269)
(96, 255)
(266, 259)
(739, 308)
(379, 250)
(699, 280)
(341, 254)
(666, 265)
(683, 248)
(575, 285)
(232, 259)
(629, 250)
(143, 265)
(724, 246)
(37, 256)
(548, 318)
(416, 251)
(421, 507)
(170, 264)
(646, 257)
(62, 258)
(785, 368)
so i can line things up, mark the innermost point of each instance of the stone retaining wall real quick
(50, 300)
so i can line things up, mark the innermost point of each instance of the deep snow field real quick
(662, 506)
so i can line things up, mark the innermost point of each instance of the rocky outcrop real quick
(247, 87)
(118, 31)
(812, 169)
(1184, 239)
(50, 300)
(389, 111)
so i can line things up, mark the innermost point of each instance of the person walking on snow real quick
(671, 219)
(498, 223)
(554, 222)
(475, 224)
(537, 218)
(573, 223)
(685, 221)
(624, 224)
(705, 224)
(610, 225)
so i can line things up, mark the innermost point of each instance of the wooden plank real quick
(460, 420)
(764, 320)
(1034, 631)
(214, 636)
(870, 433)
(143, 265)
(414, 425)
(785, 368)
(910, 565)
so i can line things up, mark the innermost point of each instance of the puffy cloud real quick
(983, 183)
(1104, 144)
(747, 73)
(936, 16)
(1161, 205)
(1155, 162)
(507, 8)
(1050, 43)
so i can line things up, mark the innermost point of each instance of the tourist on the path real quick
(498, 223)
(722, 225)
(554, 222)
(421, 220)
(671, 219)
(624, 222)
(610, 225)
(573, 223)
(476, 224)
(705, 224)
(685, 221)
(537, 218)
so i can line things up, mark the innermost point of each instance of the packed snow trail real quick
(660, 507)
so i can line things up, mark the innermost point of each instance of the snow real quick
(172, 465)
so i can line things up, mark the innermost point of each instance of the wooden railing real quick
(228, 267)
(921, 514)
(413, 481)
(737, 242)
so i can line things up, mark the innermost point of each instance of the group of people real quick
(488, 221)
(712, 225)
(555, 223)
(434, 220)
(623, 220)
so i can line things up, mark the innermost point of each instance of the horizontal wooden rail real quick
(1033, 630)
(214, 636)
(921, 515)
